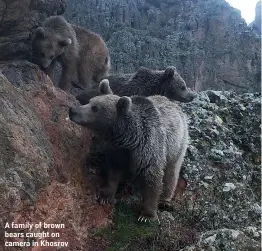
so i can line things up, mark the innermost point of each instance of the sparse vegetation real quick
(129, 235)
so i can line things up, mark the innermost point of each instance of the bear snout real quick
(43, 68)
(190, 96)
(193, 95)
(72, 112)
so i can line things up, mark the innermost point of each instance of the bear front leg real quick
(50, 70)
(151, 190)
(67, 75)
(85, 76)
(170, 180)
(107, 192)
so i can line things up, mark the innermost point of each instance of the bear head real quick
(174, 86)
(101, 113)
(46, 46)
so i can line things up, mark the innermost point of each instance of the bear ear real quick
(65, 42)
(123, 105)
(170, 72)
(104, 87)
(39, 32)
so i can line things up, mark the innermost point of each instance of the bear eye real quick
(183, 88)
(94, 108)
(42, 55)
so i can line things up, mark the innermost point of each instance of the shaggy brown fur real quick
(153, 130)
(77, 49)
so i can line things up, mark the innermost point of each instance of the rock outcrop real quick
(256, 24)
(223, 165)
(228, 239)
(43, 155)
(208, 41)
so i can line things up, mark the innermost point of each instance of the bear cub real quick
(75, 48)
(145, 82)
(152, 129)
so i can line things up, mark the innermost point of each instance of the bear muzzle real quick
(73, 113)
(192, 96)
(77, 115)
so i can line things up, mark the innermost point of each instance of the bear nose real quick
(72, 112)
(194, 95)
(191, 96)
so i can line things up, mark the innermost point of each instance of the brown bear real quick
(145, 82)
(152, 129)
(75, 48)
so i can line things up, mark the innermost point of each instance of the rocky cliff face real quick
(208, 41)
(256, 24)
(222, 168)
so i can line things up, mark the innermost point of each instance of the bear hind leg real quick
(107, 192)
(100, 75)
(50, 70)
(170, 180)
(151, 190)
(67, 75)
(85, 77)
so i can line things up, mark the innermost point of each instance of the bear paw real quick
(148, 217)
(145, 219)
(103, 201)
(166, 205)
(106, 196)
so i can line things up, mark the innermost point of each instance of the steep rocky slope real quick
(42, 161)
(42, 155)
(208, 41)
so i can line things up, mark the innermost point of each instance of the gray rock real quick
(256, 24)
(223, 168)
(224, 240)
